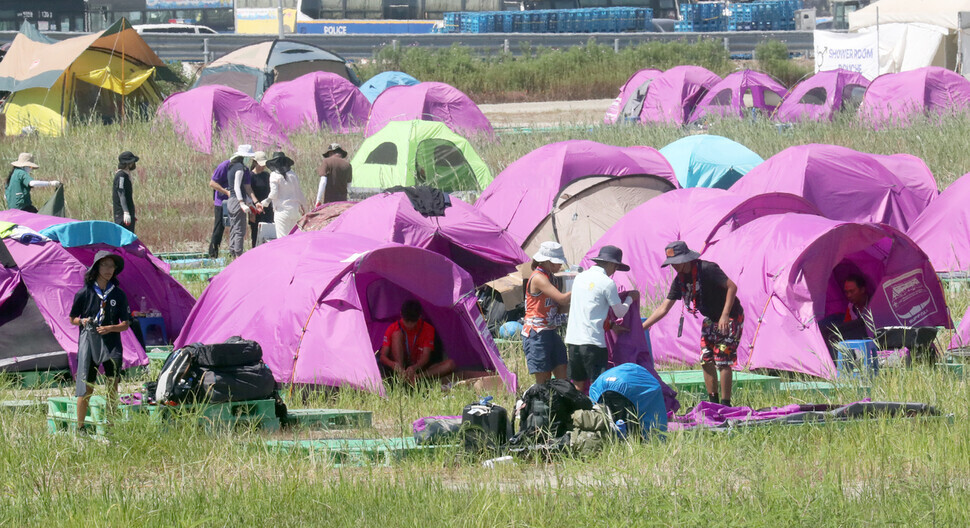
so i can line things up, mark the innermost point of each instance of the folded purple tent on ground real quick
(673, 94)
(822, 96)
(942, 230)
(629, 102)
(317, 100)
(789, 270)
(429, 101)
(324, 301)
(203, 113)
(847, 185)
(464, 235)
(727, 97)
(51, 274)
(893, 98)
(531, 198)
(694, 216)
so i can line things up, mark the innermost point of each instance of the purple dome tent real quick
(464, 235)
(729, 97)
(942, 230)
(315, 100)
(38, 284)
(629, 102)
(845, 184)
(893, 97)
(673, 94)
(961, 338)
(822, 96)
(573, 191)
(200, 113)
(429, 101)
(693, 215)
(325, 300)
(789, 269)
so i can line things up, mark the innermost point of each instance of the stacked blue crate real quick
(589, 20)
(451, 22)
(765, 15)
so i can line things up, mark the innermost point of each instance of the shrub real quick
(773, 58)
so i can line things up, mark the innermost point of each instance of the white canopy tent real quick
(915, 33)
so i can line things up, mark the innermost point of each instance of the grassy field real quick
(883, 472)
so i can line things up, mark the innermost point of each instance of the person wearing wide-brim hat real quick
(122, 199)
(594, 294)
(704, 288)
(285, 194)
(101, 311)
(241, 199)
(335, 176)
(545, 352)
(19, 183)
(259, 185)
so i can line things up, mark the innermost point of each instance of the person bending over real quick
(408, 347)
(704, 288)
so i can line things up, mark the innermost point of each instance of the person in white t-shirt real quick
(594, 294)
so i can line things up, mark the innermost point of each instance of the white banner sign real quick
(858, 52)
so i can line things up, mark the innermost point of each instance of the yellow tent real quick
(91, 76)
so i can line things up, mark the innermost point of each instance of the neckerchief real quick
(407, 344)
(104, 299)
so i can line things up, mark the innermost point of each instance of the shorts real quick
(544, 351)
(721, 349)
(112, 369)
(587, 362)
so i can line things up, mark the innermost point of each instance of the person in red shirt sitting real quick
(408, 349)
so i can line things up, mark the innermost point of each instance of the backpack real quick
(217, 373)
(484, 426)
(547, 411)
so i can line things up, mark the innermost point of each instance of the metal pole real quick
(205, 52)
(616, 45)
(279, 15)
(505, 46)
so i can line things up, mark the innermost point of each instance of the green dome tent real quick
(419, 153)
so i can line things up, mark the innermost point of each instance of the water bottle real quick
(485, 400)
(143, 306)
(621, 429)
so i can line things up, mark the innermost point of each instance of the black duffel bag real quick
(235, 352)
(242, 383)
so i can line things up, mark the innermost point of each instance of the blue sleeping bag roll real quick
(636, 384)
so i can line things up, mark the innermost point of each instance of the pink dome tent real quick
(696, 216)
(893, 98)
(822, 96)
(429, 101)
(201, 114)
(789, 270)
(573, 191)
(43, 278)
(315, 101)
(942, 230)
(729, 97)
(464, 235)
(961, 338)
(674, 93)
(629, 102)
(845, 184)
(324, 308)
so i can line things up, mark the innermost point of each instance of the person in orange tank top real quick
(545, 352)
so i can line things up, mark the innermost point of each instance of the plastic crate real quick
(329, 418)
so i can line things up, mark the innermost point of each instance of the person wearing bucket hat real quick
(101, 312)
(259, 184)
(219, 183)
(285, 194)
(122, 201)
(19, 183)
(239, 180)
(594, 294)
(335, 176)
(704, 288)
(545, 352)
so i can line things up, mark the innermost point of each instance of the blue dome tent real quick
(384, 80)
(704, 160)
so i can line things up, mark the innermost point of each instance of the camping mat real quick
(707, 415)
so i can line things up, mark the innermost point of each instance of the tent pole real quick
(122, 122)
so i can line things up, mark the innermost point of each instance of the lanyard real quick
(407, 343)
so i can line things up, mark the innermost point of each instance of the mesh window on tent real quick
(383, 154)
(441, 164)
(852, 96)
(723, 98)
(815, 96)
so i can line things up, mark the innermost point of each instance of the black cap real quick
(678, 253)
(127, 157)
(613, 255)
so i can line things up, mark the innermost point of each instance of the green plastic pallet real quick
(261, 413)
(157, 356)
(692, 381)
(35, 379)
(22, 405)
(198, 274)
(181, 255)
(955, 368)
(66, 407)
(380, 451)
(329, 418)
